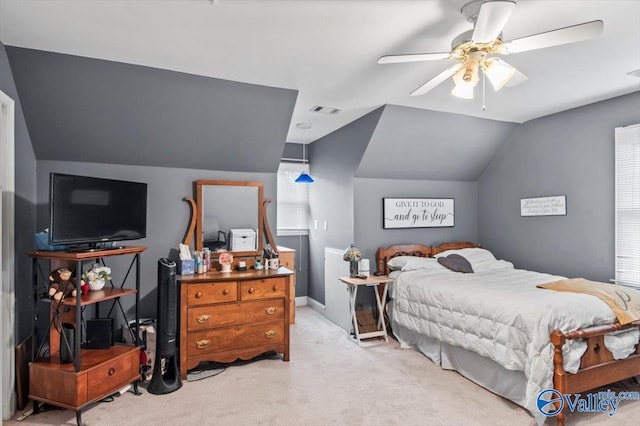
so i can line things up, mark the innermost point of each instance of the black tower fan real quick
(166, 375)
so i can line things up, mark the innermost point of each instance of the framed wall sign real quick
(544, 206)
(417, 212)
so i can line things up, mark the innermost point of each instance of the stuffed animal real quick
(61, 284)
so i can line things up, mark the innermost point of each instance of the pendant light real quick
(304, 177)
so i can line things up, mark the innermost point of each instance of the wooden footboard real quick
(597, 366)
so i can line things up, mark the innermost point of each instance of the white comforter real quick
(498, 314)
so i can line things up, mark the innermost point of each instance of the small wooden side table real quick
(369, 281)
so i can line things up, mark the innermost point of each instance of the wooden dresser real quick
(236, 315)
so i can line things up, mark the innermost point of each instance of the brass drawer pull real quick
(203, 318)
(112, 371)
(225, 291)
(198, 295)
(201, 344)
(270, 334)
(271, 310)
(275, 287)
(252, 290)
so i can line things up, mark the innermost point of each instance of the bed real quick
(495, 326)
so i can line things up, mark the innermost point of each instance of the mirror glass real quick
(229, 216)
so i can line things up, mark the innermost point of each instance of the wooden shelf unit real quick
(94, 373)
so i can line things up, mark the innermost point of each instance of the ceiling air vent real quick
(635, 73)
(325, 110)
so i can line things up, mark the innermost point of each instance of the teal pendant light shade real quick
(304, 177)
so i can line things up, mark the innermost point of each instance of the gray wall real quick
(368, 194)
(412, 143)
(570, 153)
(167, 214)
(335, 161)
(25, 204)
(89, 110)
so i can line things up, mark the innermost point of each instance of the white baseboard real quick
(314, 304)
(301, 301)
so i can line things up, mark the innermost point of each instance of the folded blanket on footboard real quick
(623, 301)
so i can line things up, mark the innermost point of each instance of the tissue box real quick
(243, 239)
(186, 266)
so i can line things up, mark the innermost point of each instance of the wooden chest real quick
(230, 316)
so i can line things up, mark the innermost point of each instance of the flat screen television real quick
(87, 211)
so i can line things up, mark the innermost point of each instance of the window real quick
(628, 205)
(293, 200)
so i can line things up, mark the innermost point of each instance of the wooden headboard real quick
(383, 255)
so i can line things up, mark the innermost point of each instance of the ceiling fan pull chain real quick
(484, 78)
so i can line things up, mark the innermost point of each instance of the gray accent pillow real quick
(456, 263)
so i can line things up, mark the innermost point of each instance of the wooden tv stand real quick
(94, 373)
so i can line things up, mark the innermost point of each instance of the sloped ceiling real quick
(87, 110)
(411, 143)
(327, 49)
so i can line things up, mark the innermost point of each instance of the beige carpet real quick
(329, 381)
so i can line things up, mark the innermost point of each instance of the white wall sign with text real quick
(417, 212)
(544, 206)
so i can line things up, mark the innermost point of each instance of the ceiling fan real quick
(472, 49)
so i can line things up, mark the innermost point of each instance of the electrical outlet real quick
(326, 225)
(315, 224)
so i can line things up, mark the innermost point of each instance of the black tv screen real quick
(89, 210)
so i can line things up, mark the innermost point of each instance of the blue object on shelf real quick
(187, 267)
(42, 243)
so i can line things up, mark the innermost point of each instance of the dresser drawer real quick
(263, 288)
(233, 338)
(205, 317)
(109, 375)
(204, 294)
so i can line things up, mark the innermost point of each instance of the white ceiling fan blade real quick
(572, 34)
(412, 57)
(436, 80)
(491, 20)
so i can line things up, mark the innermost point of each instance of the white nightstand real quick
(370, 281)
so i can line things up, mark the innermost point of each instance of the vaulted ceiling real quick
(327, 50)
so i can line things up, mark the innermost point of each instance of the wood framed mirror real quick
(223, 206)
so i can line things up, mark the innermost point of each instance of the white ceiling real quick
(327, 49)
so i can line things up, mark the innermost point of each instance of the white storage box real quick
(243, 240)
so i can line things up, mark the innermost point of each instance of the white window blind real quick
(628, 205)
(293, 200)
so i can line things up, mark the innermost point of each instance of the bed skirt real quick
(477, 368)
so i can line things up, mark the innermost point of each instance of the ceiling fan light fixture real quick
(465, 79)
(463, 91)
(498, 72)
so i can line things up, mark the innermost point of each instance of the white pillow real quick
(423, 263)
(481, 260)
(398, 262)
